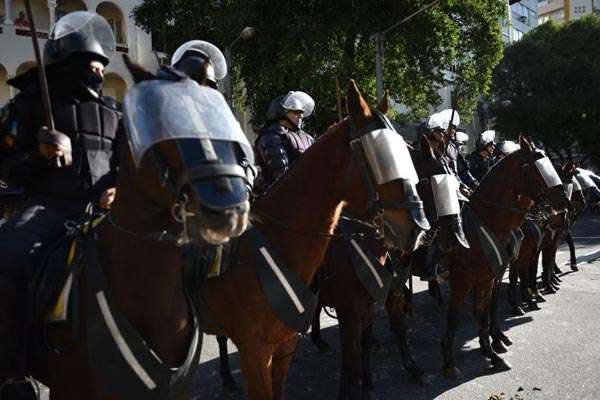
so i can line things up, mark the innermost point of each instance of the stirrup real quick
(27, 388)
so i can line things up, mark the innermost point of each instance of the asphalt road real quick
(555, 355)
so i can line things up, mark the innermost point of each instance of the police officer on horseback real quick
(480, 160)
(58, 186)
(282, 140)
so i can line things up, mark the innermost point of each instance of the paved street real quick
(555, 355)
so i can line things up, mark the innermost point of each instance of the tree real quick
(548, 84)
(310, 44)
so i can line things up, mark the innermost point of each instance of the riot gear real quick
(191, 57)
(80, 32)
(293, 101)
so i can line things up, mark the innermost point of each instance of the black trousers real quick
(40, 222)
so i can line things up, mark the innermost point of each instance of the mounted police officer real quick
(79, 47)
(282, 140)
(464, 173)
(480, 160)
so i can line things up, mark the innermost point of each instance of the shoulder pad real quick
(269, 140)
(274, 129)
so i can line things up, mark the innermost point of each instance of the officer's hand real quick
(107, 198)
(50, 151)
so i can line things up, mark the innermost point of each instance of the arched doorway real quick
(63, 7)
(26, 66)
(115, 87)
(4, 88)
(40, 13)
(114, 16)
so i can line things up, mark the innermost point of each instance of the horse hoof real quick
(504, 339)
(549, 290)
(534, 307)
(501, 365)
(517, 311)
(539, 298)
(452, 373)
(499, 347)
(574, 268)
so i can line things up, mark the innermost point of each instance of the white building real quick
(16, 49)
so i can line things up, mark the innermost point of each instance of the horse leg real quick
(281, 365)
(350, 333)
(499, 339)
(315, 331)
(395, 309)
(513, 277)
(458, 293)
(435, 292)
(368, 389)
(227, 380)
(481, 308)
(255, 361)
(569, 240)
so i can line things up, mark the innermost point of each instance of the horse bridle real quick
(179, 200)
(526, 166)
(375, 205)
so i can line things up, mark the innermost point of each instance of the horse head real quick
(438, 190)
(380, 185)
(534, 178)
(185, 150)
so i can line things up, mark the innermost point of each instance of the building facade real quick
(16, 50)
(566, 10)
(522, 17)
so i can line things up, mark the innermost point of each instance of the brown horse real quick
(140, 257)
(307, 203)
(542, 236)
(341, 288)
(500, 204)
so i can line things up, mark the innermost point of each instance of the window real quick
(517, 34)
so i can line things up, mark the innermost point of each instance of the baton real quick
(48, 134)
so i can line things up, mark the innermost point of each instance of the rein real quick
(260, 216)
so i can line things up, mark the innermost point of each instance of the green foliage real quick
(548, 84)
(309, 44)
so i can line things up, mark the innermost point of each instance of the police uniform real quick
(478, 165)
(277, 146)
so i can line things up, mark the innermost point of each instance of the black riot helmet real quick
(193, 56)
(80, 32)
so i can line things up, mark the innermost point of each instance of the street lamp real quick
(379, 46)
(246, 33)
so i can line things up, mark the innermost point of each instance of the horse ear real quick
(384, 103)
(138, 72)
(426, 148)
(525, 145)
(358, 109)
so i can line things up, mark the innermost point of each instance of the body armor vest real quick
(92, 128)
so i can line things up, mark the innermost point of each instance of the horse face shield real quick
(206, 177)
(387, 158)
(445, 189)
(552, 188)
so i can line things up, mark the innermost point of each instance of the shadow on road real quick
(316, 376)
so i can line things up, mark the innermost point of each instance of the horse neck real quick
(495, 188)
(309, 198)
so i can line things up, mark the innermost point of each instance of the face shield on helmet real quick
(507, 147)
(461, 138)
(293, 101)
(192, 55)
(80, 32)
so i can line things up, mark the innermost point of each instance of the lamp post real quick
(379, 46)
(246, 33)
